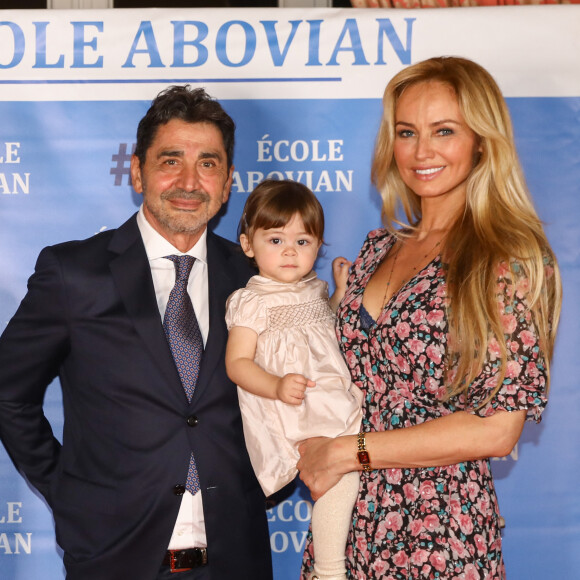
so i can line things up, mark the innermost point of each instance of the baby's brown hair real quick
(273, 203)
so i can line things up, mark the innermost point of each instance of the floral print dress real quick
(439, 522)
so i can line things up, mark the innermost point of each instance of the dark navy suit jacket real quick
(90, 317)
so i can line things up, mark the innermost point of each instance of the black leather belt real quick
(183, 560)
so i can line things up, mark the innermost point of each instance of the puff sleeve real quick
(524, 386)
(246, 308)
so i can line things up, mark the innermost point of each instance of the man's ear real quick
(228, 185)
(136, 174)
(246, 246)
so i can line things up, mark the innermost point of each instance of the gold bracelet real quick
(362, 454)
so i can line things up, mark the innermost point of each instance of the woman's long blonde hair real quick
(499, 223)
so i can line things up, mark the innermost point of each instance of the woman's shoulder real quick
(374, 244)
(378, 234)
(378, 238)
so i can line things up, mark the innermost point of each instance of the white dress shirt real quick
(189, 530)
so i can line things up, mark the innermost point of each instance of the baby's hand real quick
(291, 388)
(340, 270)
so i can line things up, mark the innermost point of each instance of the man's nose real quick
(188, 178)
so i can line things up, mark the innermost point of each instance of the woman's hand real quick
(323, 461)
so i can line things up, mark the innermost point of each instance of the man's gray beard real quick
(182, 224)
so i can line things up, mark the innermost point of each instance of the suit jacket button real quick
(192, 421)
(179, 489)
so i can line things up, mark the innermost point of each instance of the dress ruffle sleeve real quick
(245, 308)
(524, 386)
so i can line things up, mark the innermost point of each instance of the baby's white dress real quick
(295, 327)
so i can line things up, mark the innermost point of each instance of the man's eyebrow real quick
(210, 155)
(170, 153)
(180, 153)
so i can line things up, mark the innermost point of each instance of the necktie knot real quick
(183, 266)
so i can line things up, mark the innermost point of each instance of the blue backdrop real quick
(65, 147)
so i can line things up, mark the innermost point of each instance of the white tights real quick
(331, 521)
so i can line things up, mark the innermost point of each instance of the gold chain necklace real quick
(391, 272)
(413, 268)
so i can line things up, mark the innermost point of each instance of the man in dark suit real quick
(93, 315)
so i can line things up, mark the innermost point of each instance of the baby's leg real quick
(331, 521)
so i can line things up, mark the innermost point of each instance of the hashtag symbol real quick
(123, 164)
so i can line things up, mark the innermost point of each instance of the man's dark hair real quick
(189, 105)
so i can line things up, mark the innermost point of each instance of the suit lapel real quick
(132, 275)
(220, 285)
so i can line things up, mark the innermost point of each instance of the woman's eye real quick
(405, 133)
(445, 131)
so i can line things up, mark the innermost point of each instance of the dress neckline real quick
(263, 280)
(392, 239)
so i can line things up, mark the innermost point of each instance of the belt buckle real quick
(173, 563)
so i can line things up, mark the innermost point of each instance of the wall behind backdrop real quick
(304, 87)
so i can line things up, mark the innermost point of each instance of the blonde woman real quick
(447, 325)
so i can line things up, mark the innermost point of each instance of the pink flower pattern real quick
(440, 522)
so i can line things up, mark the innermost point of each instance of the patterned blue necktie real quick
(185, 342)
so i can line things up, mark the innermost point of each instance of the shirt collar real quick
(156, 246)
